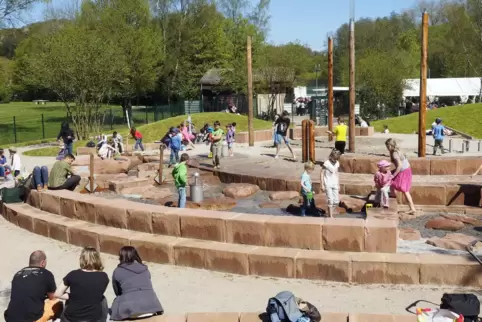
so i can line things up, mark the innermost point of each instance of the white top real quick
(104, 150)
(363, 124)
(15, 162)
(386, 131)
(330, 175)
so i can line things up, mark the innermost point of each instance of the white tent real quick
(462, 87)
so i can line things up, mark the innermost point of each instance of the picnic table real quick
(37, 102)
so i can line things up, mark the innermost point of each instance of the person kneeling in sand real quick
(62, 176)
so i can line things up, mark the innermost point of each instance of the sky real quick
(308, 21)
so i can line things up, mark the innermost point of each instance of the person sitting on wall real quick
(62, 176)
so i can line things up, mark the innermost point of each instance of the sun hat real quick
(383, 164)
(12, 149)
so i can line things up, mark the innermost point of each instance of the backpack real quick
(90, 144)
(467, 305)
(283, 308)
(309, 310)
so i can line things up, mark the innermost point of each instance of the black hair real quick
(285, 113)
(217, 123)
(184, 157)
(129, 255)
(115, 133)
(71, 156)
(233, 124)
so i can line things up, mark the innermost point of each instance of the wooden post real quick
(311, 126)
(304, 141)
(423, 88)
(351, 123)
(91, 174)
(161, 161)
(250, 94)
(330, 87)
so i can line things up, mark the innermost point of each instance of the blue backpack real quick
(283, 308)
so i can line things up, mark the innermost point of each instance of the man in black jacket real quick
(67, 135)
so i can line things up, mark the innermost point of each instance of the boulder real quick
(452, 241)
(154, 193)
(441, 223)
(217, 204)
(151, 166)
(110, 166)
(240, 190)
(135, 161)
(409, 234)
(464, 219)
(283, 195)
(152, 158)
(273, 205)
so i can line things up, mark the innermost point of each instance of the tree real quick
(11, 10)
(77, 64)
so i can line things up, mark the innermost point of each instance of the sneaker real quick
(276, 156)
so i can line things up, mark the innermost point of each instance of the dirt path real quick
(192, 290)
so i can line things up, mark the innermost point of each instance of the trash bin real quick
(225, 151)
(197, 193)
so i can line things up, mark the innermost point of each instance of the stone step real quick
(365, 268)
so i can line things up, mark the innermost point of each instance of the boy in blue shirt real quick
(438, 133)
(175, 142)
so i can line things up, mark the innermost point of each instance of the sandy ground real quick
(191, 290)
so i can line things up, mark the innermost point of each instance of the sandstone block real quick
(212, 317)
(321, 265)
(275, 262)
(84, 235)
(166, 221)
(112, 214)
(155, 249)
(381, 235)
(368, 268)
(294, 232)
(167, 318)
(428, 195)
(41, 227)
(444, 224)
(409, 234)
(343, 234)
(139, 220)
(33, 198)
(50, 202)
(203, 224)
(240, 190)
(402, 269)
(230, 258)
(284, 195)
(111, 240)
(246, 229)
(421, 166)
(444, 166)
(190, 253)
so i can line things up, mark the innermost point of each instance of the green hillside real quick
(465, 118)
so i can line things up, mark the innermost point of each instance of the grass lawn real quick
(465, 118)
(155, 131)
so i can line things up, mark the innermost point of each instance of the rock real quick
(409, 234)
(240, 190)
(464, 219)
(451, 241)
(139, 190)
(272, 205)
(218, 204)
(152, 166)
(283, 195)
(154, 193)
(135, 161)
(441, 223)
(152, 158)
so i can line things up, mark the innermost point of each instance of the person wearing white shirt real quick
(330, 182)
(15, 163)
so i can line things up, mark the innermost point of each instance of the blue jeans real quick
(139, 145)
(2, 172)
(182, 197)
(174, 158)
(68, 148)
(307, 205)
(40, 176)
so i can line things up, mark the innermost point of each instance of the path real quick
(193, 290)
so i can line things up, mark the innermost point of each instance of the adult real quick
(40, 178)
(340, 135)
(15, 162)
(131, 280)
(86, 301)
(62, 176)
(402, 175)
(67, 135)
(118, 142)
(32, 296)
(276, 117)
(282, 126)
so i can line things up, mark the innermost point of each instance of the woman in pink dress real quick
(186, 136)
(402, 175)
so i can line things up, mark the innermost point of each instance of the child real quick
(233, 125)
(383, 180)
(136, 135)
(330, 182)
(15, 163)
(307, 189)
(230, 138)
(180, 179)
(175, 145)
(340, 135)
(3, 161)
(217, 137)
(118, 143)
(385, 129)
(438, 132)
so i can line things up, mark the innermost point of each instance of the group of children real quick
(10, 168)
(330, 184)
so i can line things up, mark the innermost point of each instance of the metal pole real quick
(450, 145)
(161, 162)
(250, 94)
(423, 88)
(14, 130)
(330, 87)
(91, 181)
(351, 126)
(43, 127)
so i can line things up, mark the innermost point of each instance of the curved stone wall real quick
(336, 234)
(420, 166)
(351, 267)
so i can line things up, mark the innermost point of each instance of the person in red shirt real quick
(136, 135)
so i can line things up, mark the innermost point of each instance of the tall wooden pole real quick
(423, 88)
(91, 173)
(330, 87)
(250, 94)
(351, 124)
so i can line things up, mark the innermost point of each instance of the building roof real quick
(214, 76)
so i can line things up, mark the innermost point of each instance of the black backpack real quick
(466, 304)
(90, 144)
